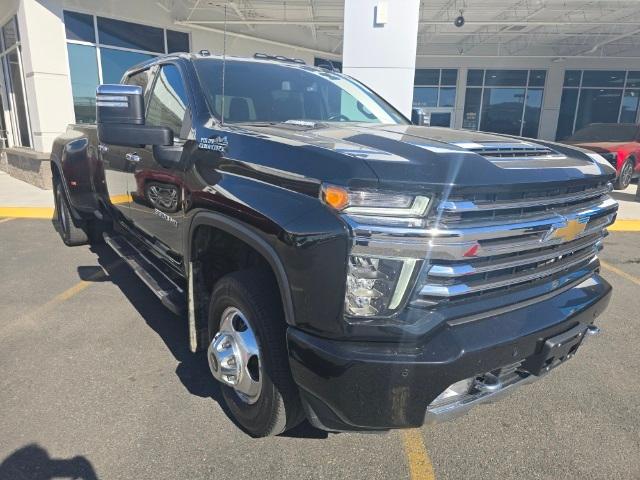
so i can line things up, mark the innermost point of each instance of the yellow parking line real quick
(26, 212)
(2, 220)
(625, 226)
(420, 467)
(622, 273)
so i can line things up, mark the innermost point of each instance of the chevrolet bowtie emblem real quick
(566, 231)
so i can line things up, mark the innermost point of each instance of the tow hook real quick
(592, 331)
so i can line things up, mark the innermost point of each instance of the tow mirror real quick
(120, 118)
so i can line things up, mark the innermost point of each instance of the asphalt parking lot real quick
(96, 381)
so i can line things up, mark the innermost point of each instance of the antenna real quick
(224, 60)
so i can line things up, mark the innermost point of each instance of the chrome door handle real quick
(103, 148)
(132, 157)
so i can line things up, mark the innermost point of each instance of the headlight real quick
(610, 157)
(377, 208)
(376, 286)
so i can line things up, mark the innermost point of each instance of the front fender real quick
(304, 242)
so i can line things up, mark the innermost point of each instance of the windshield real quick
(275, 92)
(602, 132)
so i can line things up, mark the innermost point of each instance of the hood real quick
(408, 156)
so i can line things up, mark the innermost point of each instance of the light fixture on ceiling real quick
(459, 21)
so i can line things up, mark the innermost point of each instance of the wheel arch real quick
(254, 240)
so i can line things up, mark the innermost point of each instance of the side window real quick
(168, 101)
(142, 79)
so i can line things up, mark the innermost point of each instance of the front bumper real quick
(379, 386)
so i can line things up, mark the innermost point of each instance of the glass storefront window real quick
(79, 26)
(629, 111)
(502, 110)
(434, 87)
(425, 97)
(14, 124)
(504, 101)
(116, 62)
(101, 50)
(84, 78)
(130, 35)
(597, 96)
(15, 73)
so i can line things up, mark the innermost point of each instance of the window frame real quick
(438, 86)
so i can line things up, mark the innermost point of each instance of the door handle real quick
(132, 157)
(103, 148)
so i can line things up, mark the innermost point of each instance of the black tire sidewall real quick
(259, 418)
(61, 204)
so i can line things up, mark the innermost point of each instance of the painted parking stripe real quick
(625, 226)
(27, 212)
(622, 273)
(418, 460)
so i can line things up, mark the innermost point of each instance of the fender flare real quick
(252, 238)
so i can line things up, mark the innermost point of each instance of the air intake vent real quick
(510, 150)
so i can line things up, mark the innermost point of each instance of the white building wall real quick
(382, 55)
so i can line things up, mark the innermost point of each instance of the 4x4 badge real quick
(218, 144)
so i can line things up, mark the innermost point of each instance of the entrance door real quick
(438, 117)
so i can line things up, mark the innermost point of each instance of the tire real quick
(277, 406)
(626, 174)
(71, 235)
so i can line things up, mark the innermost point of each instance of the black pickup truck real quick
(336, 262)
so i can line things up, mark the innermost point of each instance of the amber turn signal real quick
(335, 197)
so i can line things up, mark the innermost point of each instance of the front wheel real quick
(626, 174)
(248, 354)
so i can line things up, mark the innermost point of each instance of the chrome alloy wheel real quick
(234, 357)
(626, 174)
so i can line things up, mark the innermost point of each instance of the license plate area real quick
(555, 351)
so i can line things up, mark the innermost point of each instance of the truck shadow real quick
(192, 369)
(32, 462)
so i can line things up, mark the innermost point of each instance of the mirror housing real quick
(120, 118)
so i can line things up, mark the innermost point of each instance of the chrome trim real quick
(469, 206)
(456, 409)
(463, 269)
(118, 89)
(447, 291)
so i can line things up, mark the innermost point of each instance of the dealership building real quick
(539, 69)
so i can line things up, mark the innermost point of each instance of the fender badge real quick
(218, 144)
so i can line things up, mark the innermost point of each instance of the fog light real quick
(376, 286)
(453, 393)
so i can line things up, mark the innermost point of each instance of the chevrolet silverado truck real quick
(336, 262)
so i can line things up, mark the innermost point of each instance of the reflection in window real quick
(130, 35)
(84, 78)
(168, 101)
(116, 62)
(597, 96)
(502, 110)
(434, 87)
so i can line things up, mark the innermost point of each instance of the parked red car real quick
(618, 143)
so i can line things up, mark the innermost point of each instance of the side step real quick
(171, 295)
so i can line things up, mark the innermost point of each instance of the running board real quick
(171, 295)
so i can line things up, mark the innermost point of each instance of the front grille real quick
(486, 244)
